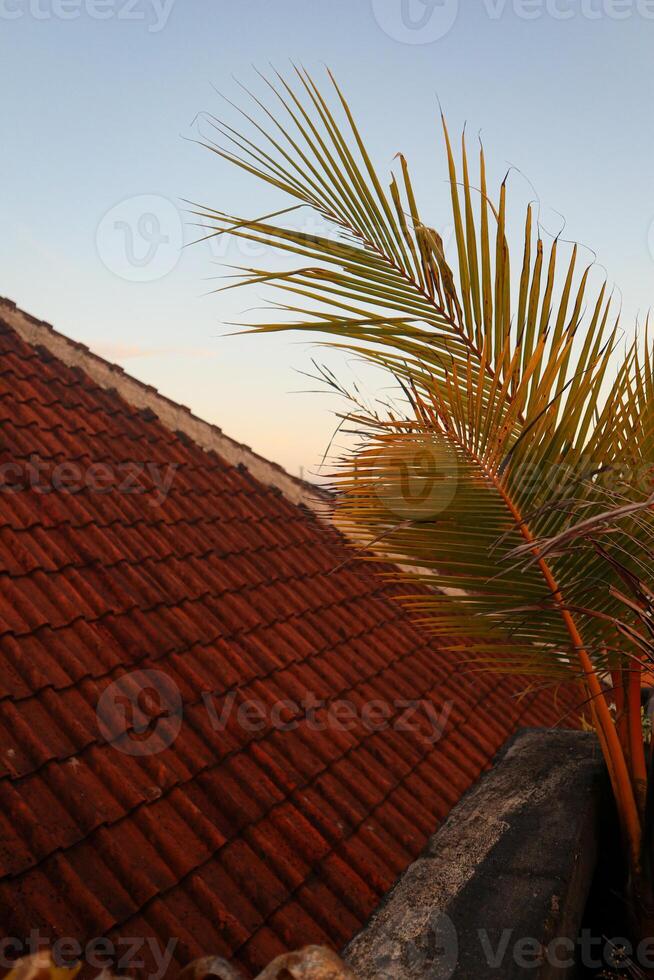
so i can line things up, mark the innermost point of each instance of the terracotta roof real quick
(242, 842)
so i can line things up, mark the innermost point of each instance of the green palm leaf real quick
(514, 418)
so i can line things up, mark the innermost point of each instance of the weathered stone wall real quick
(501, 888)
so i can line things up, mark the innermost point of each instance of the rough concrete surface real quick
(501, 888)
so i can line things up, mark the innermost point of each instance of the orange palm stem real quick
(606, 729)
(636, 743)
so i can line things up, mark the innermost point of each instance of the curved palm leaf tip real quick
(506, 426)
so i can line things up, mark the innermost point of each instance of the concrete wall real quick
(501, 888)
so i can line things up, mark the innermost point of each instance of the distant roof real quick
(136, 538)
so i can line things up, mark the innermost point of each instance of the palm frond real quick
(505, 394)
(518, 411)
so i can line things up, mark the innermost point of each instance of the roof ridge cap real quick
(176, 417)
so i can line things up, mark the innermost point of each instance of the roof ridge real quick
(175, 417)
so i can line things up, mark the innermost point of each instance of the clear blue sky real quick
(98, 95)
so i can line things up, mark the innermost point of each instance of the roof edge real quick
(177, 418)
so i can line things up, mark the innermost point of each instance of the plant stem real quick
(619, 682)
(636, 743)
(606, 730)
